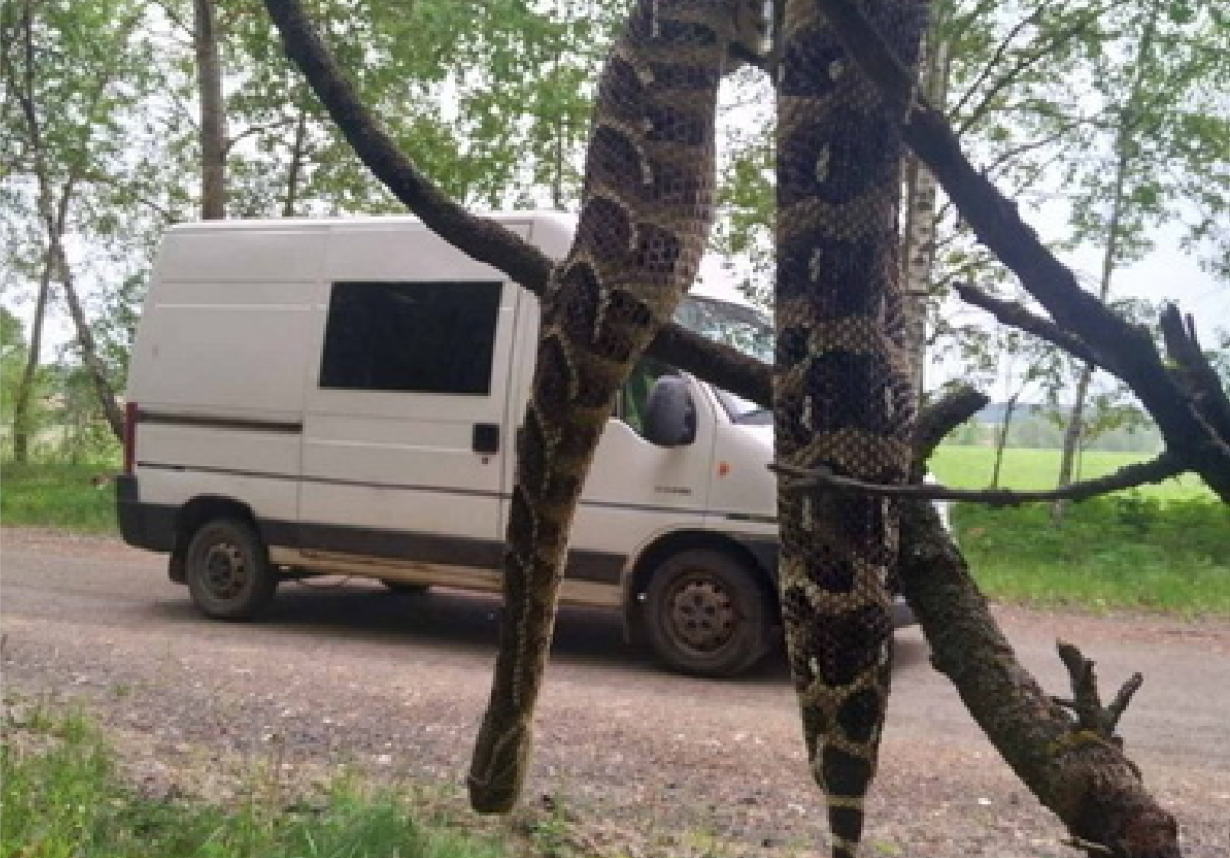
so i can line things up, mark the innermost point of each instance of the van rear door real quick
(404, 448)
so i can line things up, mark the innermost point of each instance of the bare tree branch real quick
(1083, 778)
(939, 418)
(1086, 702)
(1195, 374)
(1017, 316)
(1161, 468)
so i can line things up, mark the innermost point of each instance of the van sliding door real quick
(403, 452)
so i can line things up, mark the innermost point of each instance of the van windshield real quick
(742, 327)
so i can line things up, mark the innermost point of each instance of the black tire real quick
(706, 615)
(228, 570)
(405, 587)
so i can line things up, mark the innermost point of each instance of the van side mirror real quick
(670, 413)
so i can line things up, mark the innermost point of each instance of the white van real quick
(313, 397)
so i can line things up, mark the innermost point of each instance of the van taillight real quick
(130, 437)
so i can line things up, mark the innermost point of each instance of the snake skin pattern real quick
(843, 395)
(647, 205)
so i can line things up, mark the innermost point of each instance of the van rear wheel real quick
(228, 570)
(706, 615)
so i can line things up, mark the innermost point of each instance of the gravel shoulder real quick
(641, 761)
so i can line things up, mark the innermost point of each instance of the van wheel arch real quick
(196, 513)
(752, 581)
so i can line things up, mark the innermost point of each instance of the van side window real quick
(434, 337)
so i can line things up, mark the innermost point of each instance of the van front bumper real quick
(142, 525)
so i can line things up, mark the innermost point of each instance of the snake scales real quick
(647, 205)
(843, 395)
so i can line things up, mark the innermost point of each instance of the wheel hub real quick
(703, 614)
(225, 572)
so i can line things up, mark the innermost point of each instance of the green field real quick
(971, 467)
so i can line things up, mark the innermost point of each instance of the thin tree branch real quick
(174, 17)
(1028, 60)
(251, 130)
(997, 58)
(1123, 699)
(1018, 316)
(1161, 468)
(1009, 154)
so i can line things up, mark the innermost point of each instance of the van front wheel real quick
(228, 570)
(706, 615)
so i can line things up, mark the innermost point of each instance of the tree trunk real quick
(89, 350)
(25, 388)
(1125, 146)
(921, 195)
(54, 215)
(294, 174)
(213, 113)
(1072, 434)
(1001, 438)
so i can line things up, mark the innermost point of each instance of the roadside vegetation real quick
(64, 795)
(1163, 547)
(70, 497)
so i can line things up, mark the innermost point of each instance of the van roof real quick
(556, 221)
(359, 222)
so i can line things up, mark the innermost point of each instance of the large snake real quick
(843, 395)
(647, 205)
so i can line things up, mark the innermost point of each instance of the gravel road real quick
(395, 684)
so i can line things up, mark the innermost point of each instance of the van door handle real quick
(486, 438)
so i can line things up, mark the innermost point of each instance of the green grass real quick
(63, 797)
(1164, 547)
(57, 496)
